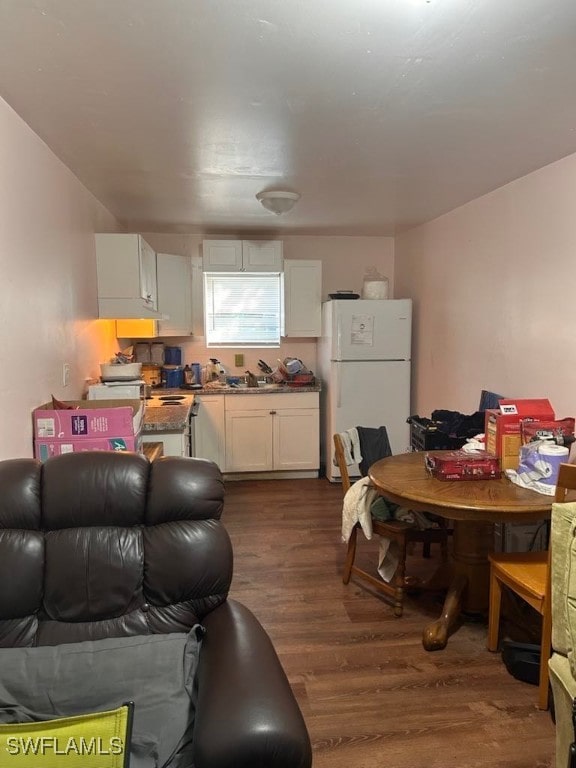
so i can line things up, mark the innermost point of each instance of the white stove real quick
(176, 442)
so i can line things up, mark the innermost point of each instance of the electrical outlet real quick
(65, 374)
(239, 361)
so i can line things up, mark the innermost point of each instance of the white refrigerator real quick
(364, 364)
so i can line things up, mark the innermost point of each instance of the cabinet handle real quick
(272, 413)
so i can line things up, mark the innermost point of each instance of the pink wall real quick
(48, 303)
(344, 261)
(492, 284)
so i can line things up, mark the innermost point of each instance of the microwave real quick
(116, 390)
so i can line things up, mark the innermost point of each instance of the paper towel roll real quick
(552, 456)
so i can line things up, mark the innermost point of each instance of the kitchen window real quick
(242, 310)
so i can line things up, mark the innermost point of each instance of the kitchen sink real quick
(261, 385)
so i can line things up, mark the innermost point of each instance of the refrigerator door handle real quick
(338, 350)
(338, 384)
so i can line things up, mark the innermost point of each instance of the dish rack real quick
(280, 375)
(300, 380)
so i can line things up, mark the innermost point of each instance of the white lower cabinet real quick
(249, 441)
(209, 429)
(272, 432)
(296, 438)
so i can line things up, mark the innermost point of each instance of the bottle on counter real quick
(251, 380)
(211, 370)
(188, 375)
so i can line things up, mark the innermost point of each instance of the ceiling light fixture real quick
(278, 201)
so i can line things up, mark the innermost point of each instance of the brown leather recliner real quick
(97, 545)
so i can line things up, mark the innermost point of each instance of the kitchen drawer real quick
(271, 402)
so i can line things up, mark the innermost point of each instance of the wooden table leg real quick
(435, 635)
(469, 587)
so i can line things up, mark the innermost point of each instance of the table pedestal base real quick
(468, 580)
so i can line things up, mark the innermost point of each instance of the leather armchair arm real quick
(246, 712)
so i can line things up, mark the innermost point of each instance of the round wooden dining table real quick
(473, 506)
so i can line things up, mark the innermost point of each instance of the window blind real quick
(242, 309)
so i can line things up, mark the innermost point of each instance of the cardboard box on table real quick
(462, 465)
(92, 425)
(502, 427)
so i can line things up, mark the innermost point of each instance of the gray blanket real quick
(156, 672)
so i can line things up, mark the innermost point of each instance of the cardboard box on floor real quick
(94, 419)
(502, 427)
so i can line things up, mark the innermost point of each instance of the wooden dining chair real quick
(527, 574)
(400, 532)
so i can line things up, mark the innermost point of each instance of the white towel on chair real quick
(387, 558)
(358, 501)
(356, 510)
(351, 445)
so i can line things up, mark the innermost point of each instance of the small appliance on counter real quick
(119, 380)
(214, 371)
(192, 376)
(152, 375)
(172, 376)
(115, 390)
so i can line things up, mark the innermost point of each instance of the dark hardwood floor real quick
(371, 696)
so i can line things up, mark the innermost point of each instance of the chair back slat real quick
(339, 453)
(566, 482)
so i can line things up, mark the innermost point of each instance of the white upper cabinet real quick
(302, 298)
(148, 274)
(242, 255)
(179, 301)
(175, 294)
(197, 297)
(222, 255)
(262, 255)
(127, 278)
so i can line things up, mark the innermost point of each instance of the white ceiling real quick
(380, 113)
